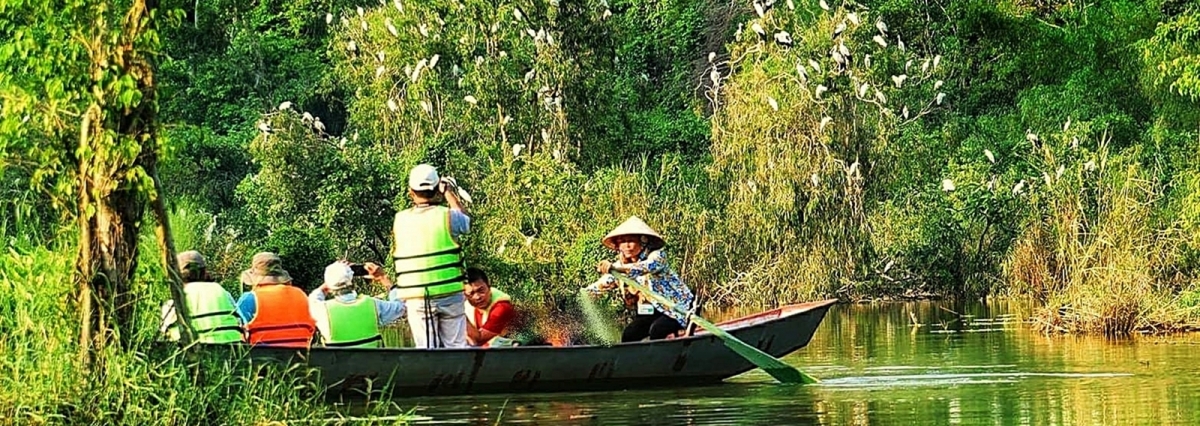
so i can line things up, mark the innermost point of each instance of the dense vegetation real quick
(893, 147)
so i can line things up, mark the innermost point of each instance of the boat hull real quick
(699, 359)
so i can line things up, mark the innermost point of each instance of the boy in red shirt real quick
(489, 311)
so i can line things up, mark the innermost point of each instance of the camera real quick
(359, 270)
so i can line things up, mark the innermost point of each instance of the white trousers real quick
(439, 322)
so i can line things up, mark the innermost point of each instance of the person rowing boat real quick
(641, 256)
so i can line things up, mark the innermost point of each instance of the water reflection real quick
(912, 363)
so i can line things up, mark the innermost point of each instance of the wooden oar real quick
(781, 371)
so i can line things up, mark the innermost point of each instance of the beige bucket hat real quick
(635, 226)
(265, 268)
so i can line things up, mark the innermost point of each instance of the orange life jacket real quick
(281, 317)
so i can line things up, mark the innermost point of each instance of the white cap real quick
(423, 178)
(338, 276)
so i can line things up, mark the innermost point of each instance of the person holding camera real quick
(350, 320)
(429, 262)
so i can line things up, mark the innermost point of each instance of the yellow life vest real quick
(428, 260)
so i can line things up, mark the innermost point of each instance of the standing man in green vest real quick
(350, 320)
(429, 263)
(210, 305)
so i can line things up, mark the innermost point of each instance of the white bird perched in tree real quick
(1018, 187)
(824, 122)
(545, 136)
(800, 71)
(352, 46)
(899, 80)
(879, 40)
(433, 60)
(783, 38)
(758, 8)
(839, 29)
(516, 149)
(1090, 165)
(988, 153)
(1058, 173)
(936, 60)
(715, 76)
(845, 51)
(791, 5)
(607, 14)
(925, 66)
(470, 99)
(938, 84)
(899, 43)
(517, 13)
(879, 96)
(379, 71)
(328, 18)
(391, 104)
(712, 56)
(837, 57)
(532, 33)
(816, 66)
(319, 126)
(820, 90)
(862, 90)
(947, 185)
(387, 22)
(286, 105)
(363, 24)
(1031, 136)
(428, 107)
(940, 97)
(423, 29)
(904, 112)
(306, 117)
(853, 17)
(505, 120)
(529, 76)
(1067, 125)
(399, 6)
(758, 29)
(360, 11)
(379, 56)
(774, 105)
(824, 5)
(816, 180)
(867, 61)
(264, 127)
(881, 26)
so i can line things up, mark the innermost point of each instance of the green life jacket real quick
(211, 312)
(353, 325)
(428, 260)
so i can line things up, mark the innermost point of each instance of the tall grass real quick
(1093, 249)
(143, 384)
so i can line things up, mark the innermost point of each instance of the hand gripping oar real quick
(781, 371)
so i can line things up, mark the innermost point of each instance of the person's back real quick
(210, 307)
(351, 320)
(428, 261)
(276, 313)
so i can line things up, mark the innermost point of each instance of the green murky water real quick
(965, 364)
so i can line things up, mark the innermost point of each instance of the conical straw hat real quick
(634, 226)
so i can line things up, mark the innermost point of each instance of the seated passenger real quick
(489, 311)
(210, 306)
(275, 312)
(350, 320)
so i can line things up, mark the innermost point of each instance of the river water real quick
(919, 363)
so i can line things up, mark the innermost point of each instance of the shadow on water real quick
(900, 363)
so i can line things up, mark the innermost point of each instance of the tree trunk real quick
(117, 145)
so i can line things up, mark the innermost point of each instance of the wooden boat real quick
(699, 359)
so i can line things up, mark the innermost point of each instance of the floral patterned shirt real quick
(653, 271)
